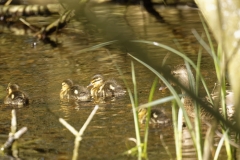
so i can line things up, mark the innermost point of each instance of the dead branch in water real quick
(13, 135)
(56, 25)
(78, 135)
(15, 11)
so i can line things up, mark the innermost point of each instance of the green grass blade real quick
(153, 88)
(136, 123)
(177, 137)
(158, 101)
(177, 53)
(97, 46)
(174, 94)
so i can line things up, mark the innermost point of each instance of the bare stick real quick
(19, 133)
(12, 138)
(88, 120)
(13, 135)
(68, 126)
(14, 122)
(80, 133)
(28, 24)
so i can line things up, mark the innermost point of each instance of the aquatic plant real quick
(177, 123)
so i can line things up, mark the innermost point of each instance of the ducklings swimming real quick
(157, 116)
(15, 96)
(102, 89)
(70, 91)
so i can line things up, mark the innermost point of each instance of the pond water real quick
(40, 70)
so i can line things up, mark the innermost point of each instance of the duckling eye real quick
(155, 115)
(112, 87)
(75, 91)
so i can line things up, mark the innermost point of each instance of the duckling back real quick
(79, 93)
(112, 88)
(15, 96)
(71, 92)
(101, 89)
(157, 116)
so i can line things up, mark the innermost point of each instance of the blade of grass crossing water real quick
(177, 137)
(177, 53)
(137, 130)
(134, 106)
(158, 101)
(148, 117)
(198, 143)
(219, 146)
(228, 146)
(197, 111)
(187, 120)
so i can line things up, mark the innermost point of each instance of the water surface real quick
(40, 70)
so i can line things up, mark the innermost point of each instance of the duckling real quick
(157, 116)
(15, 96)
(182, 76)
(70, 91)
(102, 88)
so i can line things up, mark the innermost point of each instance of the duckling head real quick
(12, 87)
(181, 74)
(66, 84)
(96, 82)
(142, 112)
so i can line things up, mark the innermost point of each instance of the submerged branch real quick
(78, 135)
(56, 25)
(28, 10)
(13, 135)
(14, 122)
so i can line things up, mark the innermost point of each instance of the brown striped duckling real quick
(15, 96)
(102, 89)
(157, 116)
(70, 91)
(182, 76)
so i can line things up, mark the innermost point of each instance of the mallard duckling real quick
(70, 91)
(182, 76)
(15, 96)
(102, 89)
(157, 116)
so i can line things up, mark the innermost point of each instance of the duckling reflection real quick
(157, 116)
(15, 96)
(73, 92)
(102, 89)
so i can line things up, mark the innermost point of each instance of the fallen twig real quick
(56, 25)
(78, 135)
(13, 135)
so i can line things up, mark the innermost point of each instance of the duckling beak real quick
(162, 88)
(90, 85)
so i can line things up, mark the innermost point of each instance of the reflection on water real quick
(40, 71)
(188, 148)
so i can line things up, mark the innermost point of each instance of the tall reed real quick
(196, 131)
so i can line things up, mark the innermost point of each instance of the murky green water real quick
(40, 70)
